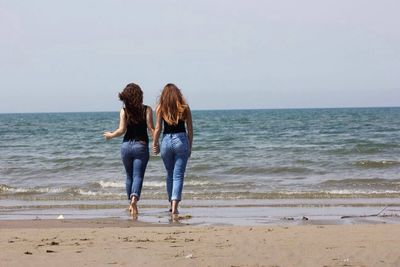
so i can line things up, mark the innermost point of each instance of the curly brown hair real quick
(132, 97)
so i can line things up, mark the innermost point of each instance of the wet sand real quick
(115, 242)
(215, 212)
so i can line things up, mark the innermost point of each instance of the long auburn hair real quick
(172, 106)
(132, 97)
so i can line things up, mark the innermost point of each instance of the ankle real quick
(174, 206)
(134, 200)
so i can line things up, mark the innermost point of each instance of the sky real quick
(66, 56)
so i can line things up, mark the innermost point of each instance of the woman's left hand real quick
(107, 135)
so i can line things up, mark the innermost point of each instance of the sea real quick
(278, 161)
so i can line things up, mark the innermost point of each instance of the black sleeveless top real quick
(137, 131)
(170, 129)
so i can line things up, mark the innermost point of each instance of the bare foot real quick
(174, 218)
(133, 208)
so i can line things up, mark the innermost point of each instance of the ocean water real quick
(237, 154)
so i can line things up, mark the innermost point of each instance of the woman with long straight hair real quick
(173, 114)
(134, 120)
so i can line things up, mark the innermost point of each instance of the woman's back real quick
(178, 128)
(137, 131)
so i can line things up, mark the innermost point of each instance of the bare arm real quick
(121, 129)
(189, 125)
(157, 132)
(149, 121)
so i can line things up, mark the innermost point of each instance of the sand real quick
(125, 243)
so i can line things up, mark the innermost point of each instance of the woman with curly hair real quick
(174, 114)
(135, 119)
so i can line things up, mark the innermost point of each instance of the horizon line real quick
(214, 109)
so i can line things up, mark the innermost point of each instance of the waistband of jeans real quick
(135, 142)
(175, 134)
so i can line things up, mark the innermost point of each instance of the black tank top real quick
(137, 131)
(179, 128)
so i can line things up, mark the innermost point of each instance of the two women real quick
(135, 118)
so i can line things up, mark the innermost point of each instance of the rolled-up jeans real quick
(175, 154)
(135, 156)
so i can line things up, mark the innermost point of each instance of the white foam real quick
(18, 190)
(50, 190)
(190, 183)
(154, 183)
(349, 192)
(110, 184)
(87, 193)
(92, 193)
(36, 190)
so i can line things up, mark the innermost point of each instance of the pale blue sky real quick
(77, 55)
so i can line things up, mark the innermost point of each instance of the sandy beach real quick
(108, 242)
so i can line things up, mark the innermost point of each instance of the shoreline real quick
(215, 212)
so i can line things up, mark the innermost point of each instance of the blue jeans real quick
(175, 154)
(135, 156)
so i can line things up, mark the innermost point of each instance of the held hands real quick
(156, 148)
